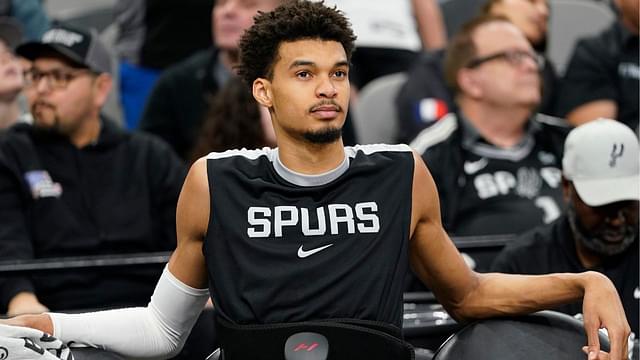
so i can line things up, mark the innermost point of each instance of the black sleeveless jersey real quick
(285, 247)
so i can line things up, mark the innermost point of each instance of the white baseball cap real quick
(602, 159)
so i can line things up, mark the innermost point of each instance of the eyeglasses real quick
(56, 79)
(513, 57)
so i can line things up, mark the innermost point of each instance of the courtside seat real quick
(547, 335)
(315, 340)
(93, 354)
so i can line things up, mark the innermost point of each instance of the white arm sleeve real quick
(157, 331)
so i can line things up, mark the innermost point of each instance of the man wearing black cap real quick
(74, 184)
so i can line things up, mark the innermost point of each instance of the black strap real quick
(348, 339)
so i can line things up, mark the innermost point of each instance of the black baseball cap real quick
(10, 31)
(78, 46)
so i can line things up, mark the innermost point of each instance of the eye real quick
(340, 74)
(303, 74)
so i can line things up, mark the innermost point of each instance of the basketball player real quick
(313, 229)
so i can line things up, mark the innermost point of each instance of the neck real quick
(500, 126)
(9, 113)
(310, 159)
(587, 258)
(87, 133)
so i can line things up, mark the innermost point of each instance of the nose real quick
(326, 89)
(543, 9)
(616, 218)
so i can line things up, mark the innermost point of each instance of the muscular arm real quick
(468, 295)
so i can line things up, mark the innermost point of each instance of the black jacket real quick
(552, 249)
(115, 196)
(178, 103)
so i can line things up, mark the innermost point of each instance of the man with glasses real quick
(75, 184)
(496, 162)
(599, 230)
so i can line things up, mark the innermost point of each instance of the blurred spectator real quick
(11, 78)
(30, 14)
(603, 75)
(152, 35)
(178, 103)
(599, 230)
(391, 34)
(235, 121)
(425, 98)
(495, 161)
(75, 184)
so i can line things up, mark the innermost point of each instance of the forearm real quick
(157, 331)
(499, 294)
(430, 24)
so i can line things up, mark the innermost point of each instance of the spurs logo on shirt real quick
(331, 219)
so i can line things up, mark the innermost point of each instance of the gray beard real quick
(593, 242)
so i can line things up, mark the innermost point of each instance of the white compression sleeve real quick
(156, 331)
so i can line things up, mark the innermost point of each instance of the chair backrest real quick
(93, 354)
(374, 114)
(547, 335)
(571, 20)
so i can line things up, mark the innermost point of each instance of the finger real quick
(618, 345)
(593, 340)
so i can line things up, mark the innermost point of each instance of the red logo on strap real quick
(303, 346)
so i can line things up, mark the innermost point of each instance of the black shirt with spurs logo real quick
(284, 247)
(489, 190)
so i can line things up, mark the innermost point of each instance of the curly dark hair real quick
(232, 122)
(291, 21)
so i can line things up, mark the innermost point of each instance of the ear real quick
(262, 92)
(468, 83)
(102, 88)
(566, 189)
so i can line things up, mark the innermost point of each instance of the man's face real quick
(11, 79)
(60, 96)
(607, 229)
(308, 94)
(530, 16)
(506, 74)
(232, 17)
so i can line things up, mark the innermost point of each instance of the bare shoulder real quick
(187, 263)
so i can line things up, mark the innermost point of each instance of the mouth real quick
(613, 236)
(325, 111)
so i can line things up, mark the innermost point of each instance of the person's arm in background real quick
(32, 16)
(430, 24)
(468, 295)
(587, 91)
(17, 294)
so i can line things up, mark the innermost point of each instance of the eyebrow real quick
(299, 63)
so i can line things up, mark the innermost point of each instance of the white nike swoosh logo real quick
(636, 293)
(303, 254)
(472, 167)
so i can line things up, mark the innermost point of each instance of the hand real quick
(41, 322)
(25, 303)
(602, 308)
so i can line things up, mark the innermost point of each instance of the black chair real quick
(315, 340)
(93, 354)
(547, 335)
